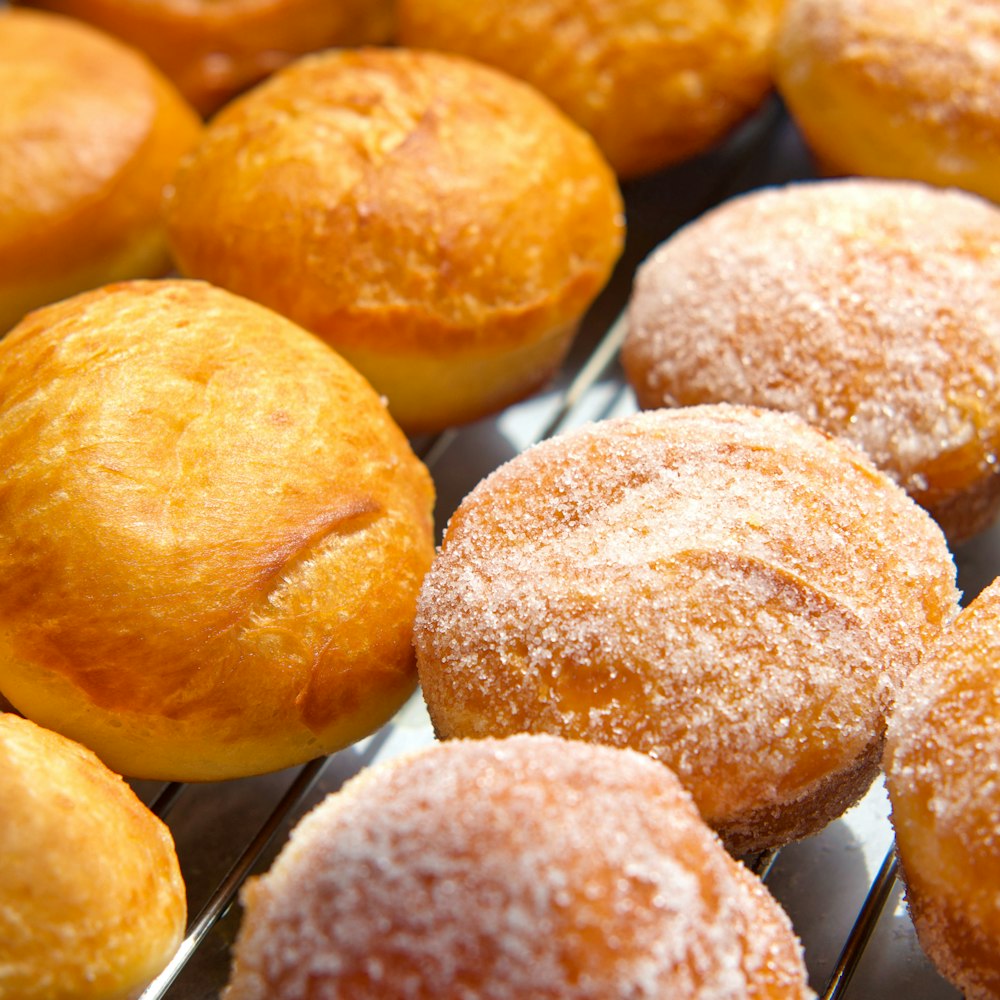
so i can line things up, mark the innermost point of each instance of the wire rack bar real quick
(868, 916)
(233, 879)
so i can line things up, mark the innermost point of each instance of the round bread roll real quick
(212, 535)
(445, 235)
(654, 82)
(870, 308)
(89, 135)
(525, 867)
(92, 905)
(724, 589)
(214, 49)
(942, 761)
(888, 88)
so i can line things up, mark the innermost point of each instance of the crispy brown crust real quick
(652, 86)
(402, 203)
(213, 534)
(215, 49)
(795, 818)
(91, 901)
(889, 89)
(89, 135)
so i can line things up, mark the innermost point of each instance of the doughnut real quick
(869, 307)
(724, 589)
(89, 135)
(212, 535)
(942, 759)
(887, 88)
(654, 83)
(445, 236)
(92, 905)
(215, 49)
(531, 866)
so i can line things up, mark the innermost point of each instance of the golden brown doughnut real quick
(441, 225)
(528, 867)
(870, 308)
(92, 904)
(214, 49)
(725, 589)
(942, 761)
(653, 81)
(89, 135)
(889, 88)
(212, 535)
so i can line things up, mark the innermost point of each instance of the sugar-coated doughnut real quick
(214, 49)
(892, 89)
(90, 133)
(441, 225)
(92, 904)
(528, 867)
(871, 308)
(724, 589)
(212, 534)
(654, 82)
(942, 765)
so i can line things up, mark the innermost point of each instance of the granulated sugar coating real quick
(943, 766)
(870, 308)
(500, 870)
(724, 589)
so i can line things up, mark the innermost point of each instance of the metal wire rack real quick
(839, 887)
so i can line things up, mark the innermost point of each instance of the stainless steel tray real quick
(838, 887)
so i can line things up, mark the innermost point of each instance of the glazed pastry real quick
(89, 135)
(445, 236)
(653, 82)
(212, 534)
(892, 89)
(92, 904)
(215, 49)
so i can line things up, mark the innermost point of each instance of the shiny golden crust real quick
(870, 308)
(653, 81)
(942, 760)
(92, 905)
(409, 207)
(892, 89)
(526, 867)
(212, 534)
(89, 135)
(726, 590)
(215, 49)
